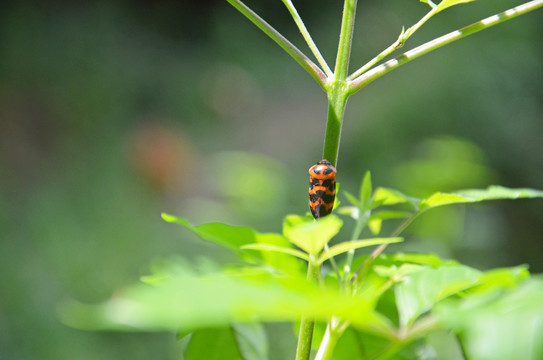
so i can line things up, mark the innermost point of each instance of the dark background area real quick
(112, 112)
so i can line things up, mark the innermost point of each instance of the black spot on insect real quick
(313, 197)
(324, 162)
(319, 193)
(327, 183)
(322, 188)
(328, 199)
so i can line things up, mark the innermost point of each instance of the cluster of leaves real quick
(402, 304)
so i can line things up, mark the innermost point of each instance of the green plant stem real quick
(305, 337)
(333, 262)
(329, 340)
(360, 225)
(292, 50)
(337, 99)
(345, 40)
(337, 88)
(307, 37)
(404, 35)
(390, 65)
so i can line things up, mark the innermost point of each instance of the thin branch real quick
(292, 50)
(307, 37)
(390, 65)
(404, 35)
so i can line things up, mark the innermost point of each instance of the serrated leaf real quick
(448, 3)
(475, 195)
(355, 244)
(366, 190)
(421, 290)
(311, 235)
(267, 247)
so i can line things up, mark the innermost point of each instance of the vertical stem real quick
(360, 224)
(337, 88)
(303, 351)
(337, 99)
(329, 340)
(345, 40)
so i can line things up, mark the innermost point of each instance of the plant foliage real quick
(404, 298)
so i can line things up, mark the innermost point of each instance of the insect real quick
(322, 188)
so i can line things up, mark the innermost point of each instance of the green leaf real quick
(279, 261)
(428, 2)
(387, 215)
(375, 225)
(355, 244)
(336, 200)
(231, 237)
(509, 326)
(448, 3)
(311, 235)
(351, 211)
(375, 220)
(423, 259)
(252, 341)
(501, 278)
(234, 237)
(476, 195)
(188, 302)
(387, 196)
(366, 190)
(238, 341)
(422, 289)
(267, 247)
(396, 273)
(213, 344)
(352, 199)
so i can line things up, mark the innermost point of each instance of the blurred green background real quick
(112, 112)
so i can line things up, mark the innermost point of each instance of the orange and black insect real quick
(322, 188)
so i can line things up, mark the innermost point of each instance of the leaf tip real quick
(167, 217)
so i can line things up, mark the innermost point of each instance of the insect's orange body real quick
(322, 188)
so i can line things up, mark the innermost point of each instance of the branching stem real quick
(307, 36)
(292, 50)
(390, 65)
